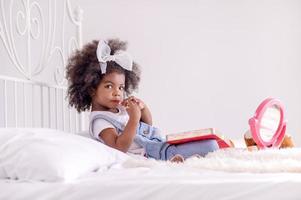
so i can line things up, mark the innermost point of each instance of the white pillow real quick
(51, 155)
(84, 134)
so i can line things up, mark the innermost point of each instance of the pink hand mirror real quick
(268, 126)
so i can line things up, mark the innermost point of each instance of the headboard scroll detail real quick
(34, 34)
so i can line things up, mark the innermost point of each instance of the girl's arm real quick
(123, 142)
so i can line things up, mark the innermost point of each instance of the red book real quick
(196, 135)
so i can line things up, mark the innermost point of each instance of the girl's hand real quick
(133, 110)
(145, 114)
(140, 103)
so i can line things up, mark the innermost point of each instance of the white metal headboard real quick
(37, 37)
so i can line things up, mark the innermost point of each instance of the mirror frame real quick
(254, 123)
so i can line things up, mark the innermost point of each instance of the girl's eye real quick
(108, 86)
(121, 88)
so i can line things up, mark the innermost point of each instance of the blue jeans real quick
(165, 151)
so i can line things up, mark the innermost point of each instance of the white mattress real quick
(161, 183)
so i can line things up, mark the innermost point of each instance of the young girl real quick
(102, 76)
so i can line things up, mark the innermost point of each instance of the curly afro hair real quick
(84, 74)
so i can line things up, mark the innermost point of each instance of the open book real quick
(196, 135)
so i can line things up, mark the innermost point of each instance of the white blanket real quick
(234, 160)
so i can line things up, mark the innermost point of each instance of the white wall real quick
(208, 63)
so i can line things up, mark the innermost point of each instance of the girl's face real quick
(109, 93)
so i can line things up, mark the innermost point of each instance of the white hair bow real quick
(122, 58)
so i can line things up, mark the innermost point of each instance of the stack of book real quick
(196, 135)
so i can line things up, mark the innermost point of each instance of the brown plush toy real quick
(286, 143)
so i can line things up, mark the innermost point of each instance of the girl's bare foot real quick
(177, 158)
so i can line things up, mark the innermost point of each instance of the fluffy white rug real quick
(234, 160)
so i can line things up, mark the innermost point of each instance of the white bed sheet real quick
(160, 183)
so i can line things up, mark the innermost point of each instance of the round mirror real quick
(269, 122)
(268, 126)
